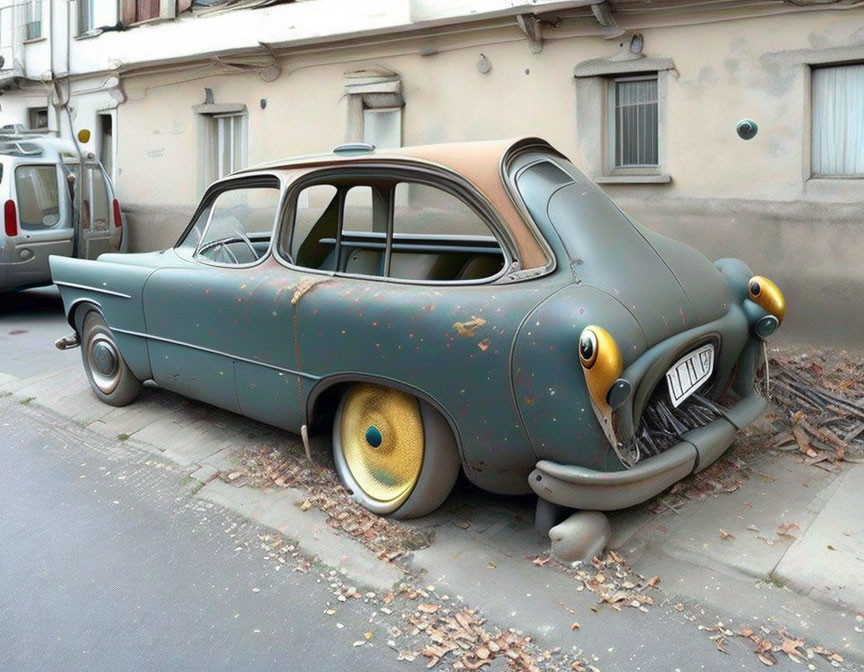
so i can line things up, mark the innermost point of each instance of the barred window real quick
(633, 115)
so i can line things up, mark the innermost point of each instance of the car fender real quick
(324, 397)
(115, 290)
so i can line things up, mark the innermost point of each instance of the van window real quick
(37, 197)
(99, 208)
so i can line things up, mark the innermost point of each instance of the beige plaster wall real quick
(728, 197)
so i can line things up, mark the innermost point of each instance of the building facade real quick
(644, 95)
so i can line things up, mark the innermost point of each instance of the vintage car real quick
(55, 202)
(476, 305)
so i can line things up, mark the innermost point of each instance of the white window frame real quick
(33, 12)
(612, 167)
(209, 144)
(87, 10)
(814, 173)
(219, 138)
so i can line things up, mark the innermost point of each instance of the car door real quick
(94, 230)
(398, 288)
(221, 326)
(44, 222)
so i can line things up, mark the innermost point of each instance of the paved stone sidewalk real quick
(786, 548)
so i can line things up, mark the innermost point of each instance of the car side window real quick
(236, 227)
(38, 197)
(441, 218)
(391, 228)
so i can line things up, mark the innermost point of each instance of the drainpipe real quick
(79, 188)
(51, 70)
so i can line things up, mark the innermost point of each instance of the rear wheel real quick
(109, 377)
(394, 452)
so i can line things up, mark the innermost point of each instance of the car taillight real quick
(10, 218)
(118, 217)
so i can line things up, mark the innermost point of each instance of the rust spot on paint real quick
(467, 328)
(304, 286)
(484, 344)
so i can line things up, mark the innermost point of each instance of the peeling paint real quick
(467, 328)
(304, 286)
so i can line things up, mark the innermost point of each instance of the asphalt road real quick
(30, 322)
(108, 563)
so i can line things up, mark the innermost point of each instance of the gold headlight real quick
(601, 362)
(765, 293)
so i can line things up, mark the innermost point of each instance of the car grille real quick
(661, 425)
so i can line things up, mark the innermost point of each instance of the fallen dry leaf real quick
(783, 529)
(427, 608)
(790, 646)
(575, 626)
(725, 534)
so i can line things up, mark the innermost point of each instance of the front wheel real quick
(394, 452)
(109, 377)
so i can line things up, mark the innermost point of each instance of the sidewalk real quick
(777, 544)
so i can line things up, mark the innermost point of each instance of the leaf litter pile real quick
(822, 397)
(610, 578)
(769, 646)
(458, 638)
(817, 417)
(420, 623)
(268, 466)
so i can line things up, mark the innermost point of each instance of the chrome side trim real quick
(139, 334)
(93, 289)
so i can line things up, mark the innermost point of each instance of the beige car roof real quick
(477, 162)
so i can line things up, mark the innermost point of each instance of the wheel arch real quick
(78, 309)
(325, 395)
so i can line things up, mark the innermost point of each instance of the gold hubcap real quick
(382, 441)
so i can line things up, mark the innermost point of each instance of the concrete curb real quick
(280, 510)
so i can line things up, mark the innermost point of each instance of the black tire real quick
(404, 469)
(109, 376)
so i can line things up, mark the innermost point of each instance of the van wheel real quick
(394, 452)
(109, 377)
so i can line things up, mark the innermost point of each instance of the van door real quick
(94, 230)
(44, 223)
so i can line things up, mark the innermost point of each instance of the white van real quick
(54, 202)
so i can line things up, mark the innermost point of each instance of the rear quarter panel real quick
(452, 343)
(548, 380)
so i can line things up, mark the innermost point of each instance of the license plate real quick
(688, 373)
